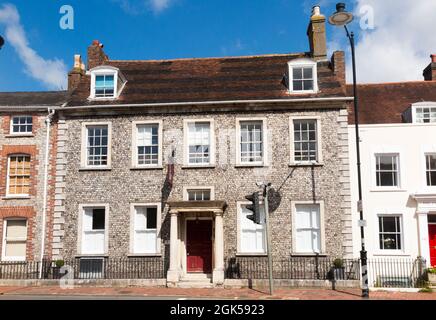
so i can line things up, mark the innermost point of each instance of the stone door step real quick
(194, 277)
(195, 285)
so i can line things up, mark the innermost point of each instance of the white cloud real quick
(233, 48)
(136, 7)
(159, 5)
(52, 73)
(399, 47)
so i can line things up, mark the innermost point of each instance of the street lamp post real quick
(342, 18)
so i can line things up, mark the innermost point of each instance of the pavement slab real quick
(216, 293)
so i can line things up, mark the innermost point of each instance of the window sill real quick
(390, 253)
(306, 164)
(208, 166)
(16, 197)
(388, 190)
(147, 168)
(12, 260)
(95, 169)
(139, 255)
(303, 92)
(104, 255)
(27, 135)
(102, 98)
(309, 254)
(250, 165)
(240, 254)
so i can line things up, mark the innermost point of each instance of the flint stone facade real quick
(121, 185)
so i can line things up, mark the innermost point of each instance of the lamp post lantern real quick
(341, 18)
(2, 42)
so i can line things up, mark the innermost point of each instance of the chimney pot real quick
(316, 11)
(75, 75)
(317, 35)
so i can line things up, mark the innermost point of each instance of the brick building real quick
(155, 158)
(24, 201)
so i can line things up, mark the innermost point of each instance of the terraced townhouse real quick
(397, 139)
(28, 132)
(158, 157)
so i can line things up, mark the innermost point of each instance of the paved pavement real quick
(136, 293)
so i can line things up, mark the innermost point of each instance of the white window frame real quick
(13, 258)
(387, 251)
(11, 126)
(186, 123)
(419, 105)
(265, 159)
(294, 205)
(303, 63)
(135, 125)
(82, 208)
(374, 174)
(426, 186)
(106, 71)
(84, 147)
(133, 206)
(239, 205)
(319, 156)
(186, 189)
(16, 195)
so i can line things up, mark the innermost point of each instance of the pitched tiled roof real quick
(208, 79)
(385, 102)
(25, 99)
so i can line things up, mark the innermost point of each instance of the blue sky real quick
(162, 29)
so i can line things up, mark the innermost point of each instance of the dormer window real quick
(104, 86)
(422, 112)
(303, 76)
(107, 82)
(425, 115)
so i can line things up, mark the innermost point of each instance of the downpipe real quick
(48, 120)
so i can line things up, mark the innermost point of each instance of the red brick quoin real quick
(19, 212)
(18, 149)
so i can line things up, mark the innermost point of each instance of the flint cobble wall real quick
(120, 186)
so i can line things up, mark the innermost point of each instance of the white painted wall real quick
(411, 141)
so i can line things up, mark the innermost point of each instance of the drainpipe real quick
(48, 120)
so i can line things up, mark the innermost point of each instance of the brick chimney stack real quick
(76, 74)
(430, 72)
(338, 66)
(317, 35)
(96, 55)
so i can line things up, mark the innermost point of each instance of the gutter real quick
(206, 103)
(48, 120)
(23, 108)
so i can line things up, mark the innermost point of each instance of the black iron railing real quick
(382, 272)
(309, 268)
(87, 268)
(397, 273)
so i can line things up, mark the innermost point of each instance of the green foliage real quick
(338, 263)
(431, 270)
(426, 290)
(59, 263)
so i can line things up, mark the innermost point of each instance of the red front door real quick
(432, 242)
(199, 245)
